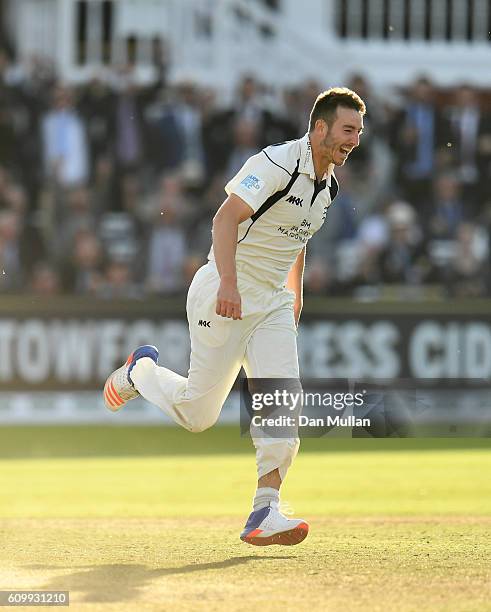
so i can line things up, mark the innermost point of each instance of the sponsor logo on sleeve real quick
(252, 183)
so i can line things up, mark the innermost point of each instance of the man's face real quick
(342, 136)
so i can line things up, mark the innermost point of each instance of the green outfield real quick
(148, 519)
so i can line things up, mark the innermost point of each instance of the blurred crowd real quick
(109, 188)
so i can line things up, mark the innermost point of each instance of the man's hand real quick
(228, 300)
(225, 230)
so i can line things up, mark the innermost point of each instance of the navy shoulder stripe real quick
(273, 162)
(334, 187)
(278, 144)
(275, 197)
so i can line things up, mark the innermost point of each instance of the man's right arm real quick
(225, 232)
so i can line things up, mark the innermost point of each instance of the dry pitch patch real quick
(389, 564)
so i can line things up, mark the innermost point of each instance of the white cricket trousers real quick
(264, 342)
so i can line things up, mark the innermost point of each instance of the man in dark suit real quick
(470, 135)
(418, 133)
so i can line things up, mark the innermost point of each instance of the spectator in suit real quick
(245, 144)
(96, 104)
(20, 248)
(129, 138)
(167, 246)
(467, 273)
(447, 210)
(65, 148)
(165, 136)
(470, 137)
(44, 280)
(82, 269)
(417, 135)
(189, 121)
(166, 254)
(402, 259)
(117, 282)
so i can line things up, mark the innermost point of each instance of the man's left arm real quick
(295, 283)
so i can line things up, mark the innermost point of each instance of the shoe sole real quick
(284, 538)
(112, 399)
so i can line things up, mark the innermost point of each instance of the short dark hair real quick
(325, 107)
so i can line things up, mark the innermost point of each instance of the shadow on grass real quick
(121, 582)
(108, 441)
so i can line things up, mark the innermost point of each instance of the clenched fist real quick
(228, 300)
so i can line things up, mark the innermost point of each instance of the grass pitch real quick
(133, 519)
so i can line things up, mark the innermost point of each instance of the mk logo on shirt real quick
(202, 323)
(295, 200)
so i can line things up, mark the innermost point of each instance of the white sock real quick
(266, 496)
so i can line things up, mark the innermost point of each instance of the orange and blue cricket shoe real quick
(268, 526)
(119, 387)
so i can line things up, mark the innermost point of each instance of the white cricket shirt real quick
(289, 205)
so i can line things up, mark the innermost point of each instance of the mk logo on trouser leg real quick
(202, 323)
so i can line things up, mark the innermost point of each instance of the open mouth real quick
(345, 151)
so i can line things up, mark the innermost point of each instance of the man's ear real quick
(322, 126)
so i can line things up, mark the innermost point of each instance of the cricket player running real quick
(244, 305)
